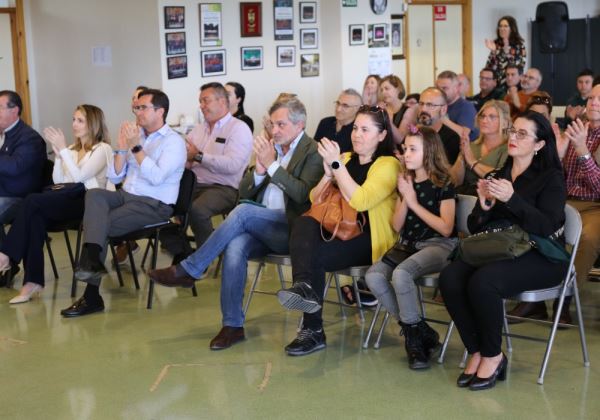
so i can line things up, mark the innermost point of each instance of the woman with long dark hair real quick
(237, 94)
(528, 191)
(507, 48)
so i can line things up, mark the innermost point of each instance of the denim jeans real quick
(400, 296)
(248, 232)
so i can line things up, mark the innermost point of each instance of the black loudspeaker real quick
(552, 18)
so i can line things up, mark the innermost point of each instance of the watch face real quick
(335, 165)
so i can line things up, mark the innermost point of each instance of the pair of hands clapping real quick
(328, 150)
(55, 138)
(490, 190)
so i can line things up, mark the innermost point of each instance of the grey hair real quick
(296, 109)
(353, 92)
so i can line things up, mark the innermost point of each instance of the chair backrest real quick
(573, 227)
(47, 173)
(186, 191)
(464, 206)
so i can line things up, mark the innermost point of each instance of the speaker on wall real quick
(552, 18)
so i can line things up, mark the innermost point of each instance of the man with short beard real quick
(517, 99)
(433, 106)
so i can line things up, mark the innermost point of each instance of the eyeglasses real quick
(519, 134)
(541, 100)
(429, 105)
(526, 76)
(139, 108)
(486, 79)
(343, 105)
(490, 117)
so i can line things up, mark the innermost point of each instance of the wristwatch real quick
(136, 149)
(336, 164)
(583, 158)
(198, 157)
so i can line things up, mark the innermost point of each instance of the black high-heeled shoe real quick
(478, 384)
(465, 379)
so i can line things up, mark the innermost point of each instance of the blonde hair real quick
(503, 110)
(97, 130)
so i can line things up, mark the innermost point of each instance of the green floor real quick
(134, 363)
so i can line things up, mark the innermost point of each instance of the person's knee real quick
(375, 281)
(403, 281)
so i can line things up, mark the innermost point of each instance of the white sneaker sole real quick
(296, 302)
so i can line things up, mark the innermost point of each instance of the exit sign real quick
(439, 12)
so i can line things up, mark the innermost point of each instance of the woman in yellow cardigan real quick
(367, 180)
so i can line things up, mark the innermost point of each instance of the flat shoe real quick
(26, 297)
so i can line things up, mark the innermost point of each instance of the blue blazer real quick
(22, 161)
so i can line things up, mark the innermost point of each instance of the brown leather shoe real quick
(168, 277)
(121, 254)
(533, 310)
(227, 337)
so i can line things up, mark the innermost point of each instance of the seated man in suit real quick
(22, 156)
(150, 160)
(276, 193)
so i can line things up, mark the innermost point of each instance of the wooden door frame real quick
(467, 34)
(17, 28)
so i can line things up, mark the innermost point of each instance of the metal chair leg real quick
(361, 311)
(386, 318)
(133, 268)
(463, 360)
(445, 343)
(584, 349)
(150, 281)
(506, 328)
(117, 267)
(76, 262)
(372, 326)
(253, 287)
(51, 255)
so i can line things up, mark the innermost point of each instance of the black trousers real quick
(312, 257)
(473, 295)
(27, 234)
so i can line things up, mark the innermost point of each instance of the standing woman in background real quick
(78, 167)
(507, 48)
(370, 91)
(237, 94)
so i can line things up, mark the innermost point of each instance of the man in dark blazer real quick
(22, 156)
(273, 195)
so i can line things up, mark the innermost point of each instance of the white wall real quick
(60, 37)
(487, 12)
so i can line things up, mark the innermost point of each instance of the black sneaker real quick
(307, 341)
(418, 356)
(300, 297)
(367, 298)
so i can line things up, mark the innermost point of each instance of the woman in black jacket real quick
(529, 191)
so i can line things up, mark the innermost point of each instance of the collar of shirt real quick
(161, 132)
(293, 145)
(220, 123)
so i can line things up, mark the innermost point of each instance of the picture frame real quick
(283, 20)
(213, 63)
(378, 6)
(286, 56)
(378, 35)
(308, 12)
(309, 39)
(177, 67)
(379, 31)
(349, 3)
(309, 65)
(175, 43)
(356, 34)
(250, 19)
(174, 17)
(211, 25)
(397, 34)
(251, 58)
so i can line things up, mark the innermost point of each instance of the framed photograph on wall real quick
(211, 26)
(283, 15)
(397, 37)
(377, 35)
(349, 3)
(213, 63)
(250, 19)
(175, 42)
(174, 17)
(286, 56)
(308, 12)
(177, 67)
(309, 65)
(309, 39)
(356, 34)
(252, 58)
(378, 6)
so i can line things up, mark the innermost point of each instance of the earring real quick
(535, 153)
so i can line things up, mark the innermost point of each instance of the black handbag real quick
(398, 253)
(70, 189)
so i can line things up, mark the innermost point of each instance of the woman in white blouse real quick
(77, 168)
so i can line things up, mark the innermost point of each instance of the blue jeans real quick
(248, 232)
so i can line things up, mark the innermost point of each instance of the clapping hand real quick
(56, 138)
(129, 135)
(265, 154)
(407, 190)
(500, 189)
(490, 44)
(485, 200)
(329, 150)
(577, 133)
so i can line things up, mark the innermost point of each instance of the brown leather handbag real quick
(335, 215)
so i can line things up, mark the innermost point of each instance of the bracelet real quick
(121, 152)
(475, 164)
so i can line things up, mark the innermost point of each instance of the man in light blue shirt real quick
(276, 193)
(149, 161)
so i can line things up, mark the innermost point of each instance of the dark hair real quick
(540, 97)
(586, 72)
(240, 93)
(547, 156)
(596, 81)
(415, 96)
(14, 100)
(514, 66)
(514, 37)
(381, 119)
(159, 100)
(489, 70)
(219, 90)
(435, 161)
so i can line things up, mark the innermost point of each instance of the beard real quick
(425, 119)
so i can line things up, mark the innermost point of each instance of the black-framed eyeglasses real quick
(139, 108)
(519, 134)
(541, 100)
(429, 105)
(344, 105)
